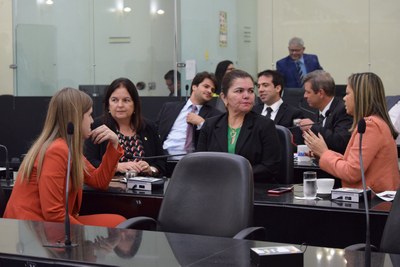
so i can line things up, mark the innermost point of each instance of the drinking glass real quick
(310, 184)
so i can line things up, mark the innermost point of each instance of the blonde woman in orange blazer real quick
(39, 191)
(365, 98)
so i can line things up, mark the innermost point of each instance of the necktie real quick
(321, 119)
(300, 73)
(189, 133)
(269, 111)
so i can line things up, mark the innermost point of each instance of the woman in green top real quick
(241, 131)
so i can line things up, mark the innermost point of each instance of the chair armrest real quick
(253, 233)
(140, 222)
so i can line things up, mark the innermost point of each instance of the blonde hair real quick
(67, 105)
(369, 99)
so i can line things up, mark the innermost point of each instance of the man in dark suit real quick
(270, 88)
(169, 78)
(175, 118)
(332, 121)
(295, 66)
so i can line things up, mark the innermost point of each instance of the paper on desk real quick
(387, 195)
(304, 198)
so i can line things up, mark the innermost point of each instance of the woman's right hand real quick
(103, 133)
(140, 166)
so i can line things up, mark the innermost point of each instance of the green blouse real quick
(232, 138)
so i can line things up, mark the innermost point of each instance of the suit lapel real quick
(245, 132)
(280, 113)
(332, 108)
(221, 133)
(173, 115)
(259, 108)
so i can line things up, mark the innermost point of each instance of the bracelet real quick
(154, 171)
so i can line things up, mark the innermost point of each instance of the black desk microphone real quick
(361, 130)
(7, 162)
(130, 156)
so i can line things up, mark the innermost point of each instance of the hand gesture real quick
(103, 133)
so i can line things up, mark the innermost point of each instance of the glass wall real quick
(74, 43)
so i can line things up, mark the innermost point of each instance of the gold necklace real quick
(233, 134)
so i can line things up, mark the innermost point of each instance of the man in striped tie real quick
(297, 64)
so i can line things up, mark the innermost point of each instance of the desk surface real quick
(22, 242)
(287, 219)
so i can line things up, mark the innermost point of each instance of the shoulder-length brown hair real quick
(67, 105)
(136, 119)
(369, 99)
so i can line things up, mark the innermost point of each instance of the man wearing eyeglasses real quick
(296, 65)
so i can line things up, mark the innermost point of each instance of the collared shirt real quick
(175, 141)
(325, 110)
(275, 107)
(394, 114)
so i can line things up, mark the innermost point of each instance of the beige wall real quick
(348, 36)
(6, 56)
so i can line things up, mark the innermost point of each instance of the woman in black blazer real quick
(241, 131)
(137, 136)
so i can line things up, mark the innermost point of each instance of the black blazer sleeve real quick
(94, 152)
(336, 129)
(152, 146)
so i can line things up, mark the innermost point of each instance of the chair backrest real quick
(3, 202)
(210, 193)
(391, 234)
(286, 167)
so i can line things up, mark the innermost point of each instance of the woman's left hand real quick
(316, 144)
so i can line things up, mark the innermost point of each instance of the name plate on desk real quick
(277, 256)
(349, 194)
(144, 183)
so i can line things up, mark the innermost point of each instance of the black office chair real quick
(3, 202)
(210, 193)
(391, 233)
(286, 166)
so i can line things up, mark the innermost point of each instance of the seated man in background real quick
(179, 123)
(270, 88)
(332, 121)
(169, 78)
(296, 65)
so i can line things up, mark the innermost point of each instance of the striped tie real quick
(189, 146)
(299, 72)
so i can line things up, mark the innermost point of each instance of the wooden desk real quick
(22, 245)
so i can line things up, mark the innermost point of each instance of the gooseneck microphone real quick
(7, 163)
(67, 223)
(130, 156)
(361, 130)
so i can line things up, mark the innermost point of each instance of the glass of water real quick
(310, 184)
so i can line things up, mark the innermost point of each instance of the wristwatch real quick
(154, 171)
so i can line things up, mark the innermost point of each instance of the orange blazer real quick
(44, 199)
(379, 152)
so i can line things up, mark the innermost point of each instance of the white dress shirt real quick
(175, 141)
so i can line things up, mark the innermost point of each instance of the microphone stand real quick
(186, 91)
(361, 130)
(67, 243)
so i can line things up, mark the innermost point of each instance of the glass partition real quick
(83, 43)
